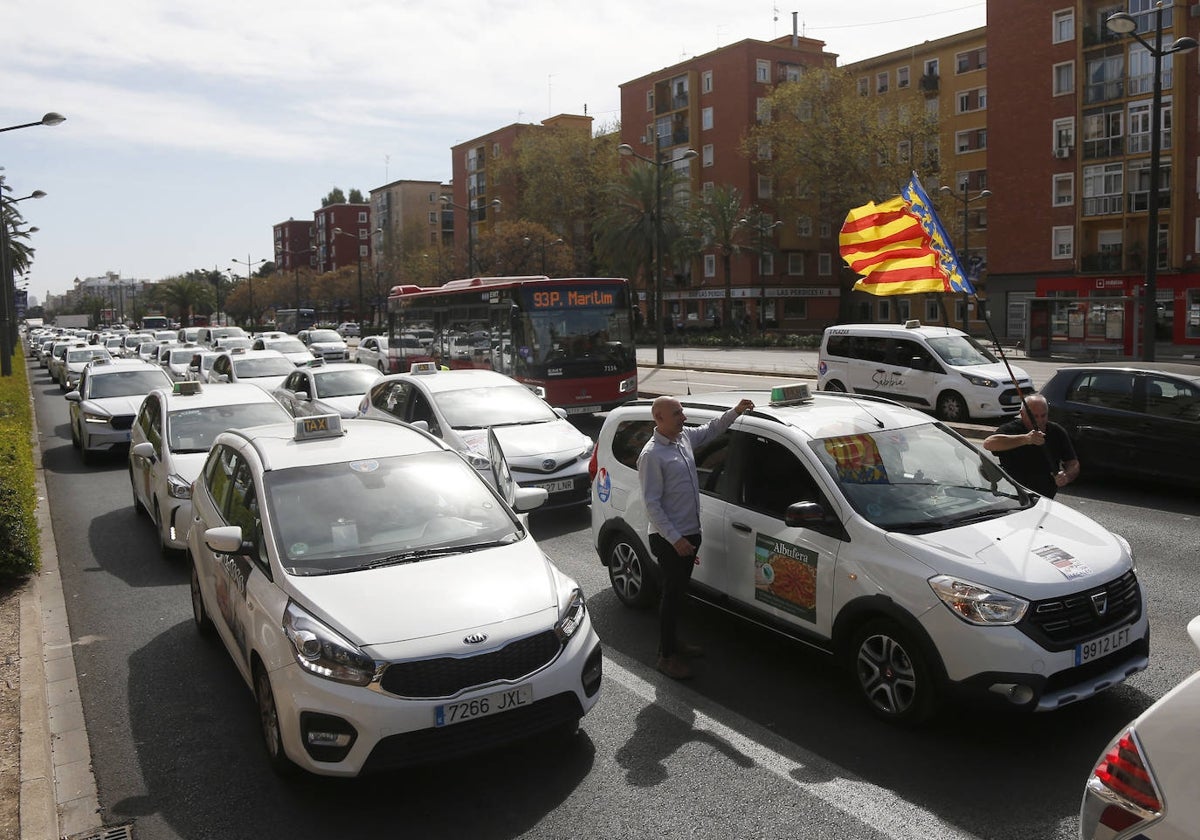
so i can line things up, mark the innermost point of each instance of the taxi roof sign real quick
(319, 426)
(790, 394)
(186, 389)
(423, 367)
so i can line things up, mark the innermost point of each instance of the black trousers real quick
(676, 572)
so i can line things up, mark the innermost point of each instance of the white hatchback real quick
(870, 531)
(386, 606)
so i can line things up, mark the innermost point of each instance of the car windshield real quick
(263, 366)
(125, 383)
(961, 351)
(87, 354)
(286, 345)
(181, 356)
(234, 342)
(136, 339)
(345, 383)
(477, 408)
(342, 517)
(193, 429)
(919, 479)
(323, 335)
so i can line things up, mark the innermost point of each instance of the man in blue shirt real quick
(671, 491)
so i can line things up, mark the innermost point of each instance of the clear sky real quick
(193, 127)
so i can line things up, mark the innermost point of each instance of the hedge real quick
(20, 554)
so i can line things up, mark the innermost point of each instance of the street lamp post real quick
(763, 229)
(358, 256)
(51, 118)
(627, 150)
(1122, 23)
(964, 255)
(542, 246)
(495, 202)
(296, 268)
(250, 266)
(8, 329)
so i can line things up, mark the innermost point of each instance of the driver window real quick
(422, 410)
(773, 478)
(710, 465)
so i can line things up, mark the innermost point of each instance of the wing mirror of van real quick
(814, 517)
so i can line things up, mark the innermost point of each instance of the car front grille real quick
(1009, 396)
(448, 675)
(121, 422)
(1061, 623)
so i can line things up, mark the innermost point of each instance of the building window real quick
(901, 77)
(1139, 127)
(1138, 184)
(362, 219)
(706, 155)
(970, 60)
(804, 226)
(932, 310)
(710, 265)
(433, 217)
(766, 264)
(864, 86)
(792, 72)
(495, 150)
(824, 230)
(1103, 133)
(824, 264)
(764, 149)
(932, 108)
(762, 109)
(881, 82)
(1103, 189)
(1064, 78)
(764, 186)
(904, 151)
(795, 264)
(1063, 243)
(971, 140)
(706, 81)
(1064, 133)
(762, 70)
(1104, 79)
(1063, 22)
(795, 309)
(650, 100)
(883, 310)
(1140, 78)
(903, 310)
(706, 118)
(1064, 189)
(972, 100)
(706, 191)
(931, 67)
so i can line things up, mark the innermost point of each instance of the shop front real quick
(1102, 316)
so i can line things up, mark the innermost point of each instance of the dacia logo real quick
(1100, 603)
(475, 639)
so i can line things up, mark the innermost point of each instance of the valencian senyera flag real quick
(900, 247)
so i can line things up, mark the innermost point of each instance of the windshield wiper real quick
(417, 554)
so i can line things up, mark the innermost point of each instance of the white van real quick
(936, 369)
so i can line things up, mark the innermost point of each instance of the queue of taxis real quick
(385, 605)
(874, 533)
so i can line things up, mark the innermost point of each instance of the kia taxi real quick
(872, 532)
(170, 439)
(385, 605)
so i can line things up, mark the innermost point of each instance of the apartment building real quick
(478, 202)
(1071, 176)
(342, 235)
(294, 246)
(952, 75)
(706, 104)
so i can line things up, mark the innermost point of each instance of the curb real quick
(58, 788)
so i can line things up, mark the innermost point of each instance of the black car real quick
(1137, 418)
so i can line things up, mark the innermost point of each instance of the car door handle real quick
(745, 529)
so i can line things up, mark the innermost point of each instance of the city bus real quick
(293, 320)
(569, 339)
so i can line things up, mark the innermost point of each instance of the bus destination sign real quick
(572, 298)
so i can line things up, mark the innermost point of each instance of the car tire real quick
(268, 723)
(952, 408)
(200, 616)
(835, 386)
(629, 572)
(138, 507)
(892, 674)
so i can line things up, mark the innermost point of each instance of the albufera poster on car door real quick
(785, 576)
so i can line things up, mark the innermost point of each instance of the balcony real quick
(1139, 200)
(1103, 261)
(929, 83)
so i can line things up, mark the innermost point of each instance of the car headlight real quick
(981, 381)
(92, 417)
(177, 488)
(976, 604)
(587, 450)
(570, 616)
(324, 653)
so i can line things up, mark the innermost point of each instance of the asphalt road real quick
(768, 741)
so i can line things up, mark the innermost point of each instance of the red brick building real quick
(342, 234)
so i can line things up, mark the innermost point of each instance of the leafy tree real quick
(522, 248)
(625, 231)
(716, 222)
(336, 196)
(356, 196)
(828, 149)
(20, 253)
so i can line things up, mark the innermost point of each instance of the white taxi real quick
(319, 388)
(104, 404)
(872, 532)
(543, 448)
(385, 605)
(170, 439)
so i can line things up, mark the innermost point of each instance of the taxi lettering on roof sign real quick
(868, 530)
(318, 426)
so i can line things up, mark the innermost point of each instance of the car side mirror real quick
(73, 396)
(226, 539)
(814, 517)
(526, 499)
(145, 449)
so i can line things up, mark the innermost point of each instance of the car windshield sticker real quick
(368, 466)
(785, 576)
(857, 459)
(1069, 565)
(603, 485)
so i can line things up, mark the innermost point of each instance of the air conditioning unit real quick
(1062, 152)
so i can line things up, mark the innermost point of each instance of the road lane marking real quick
(871, 804)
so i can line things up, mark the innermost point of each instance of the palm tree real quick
(181, 295)
(625, 231)
(718, 221)
(19, 251)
